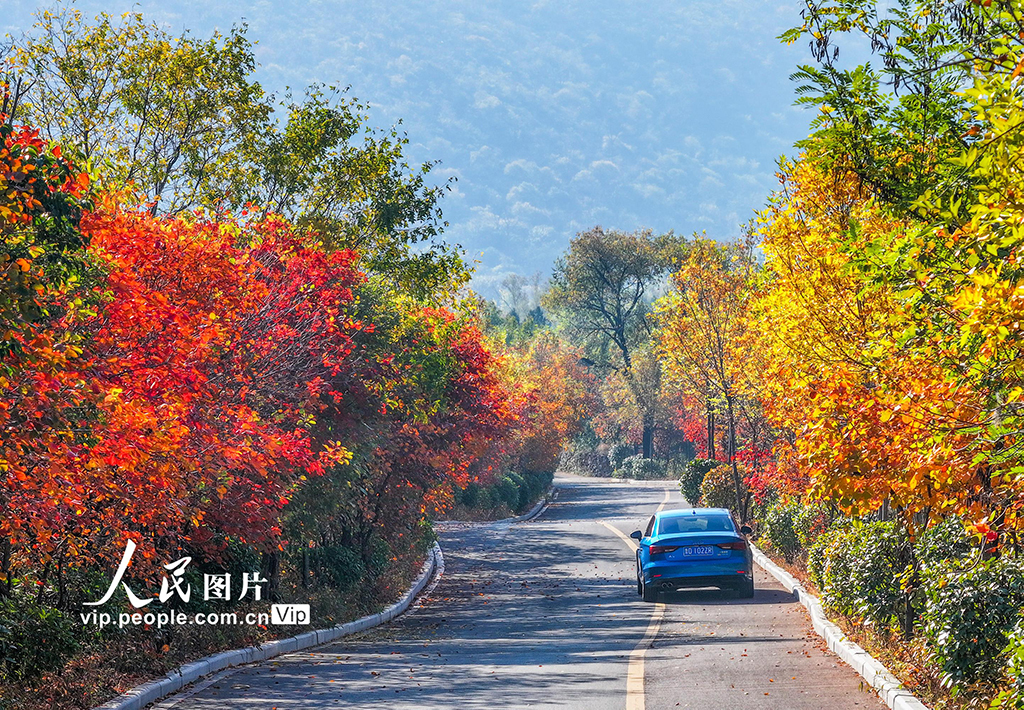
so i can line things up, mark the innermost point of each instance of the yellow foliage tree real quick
(867, 416)
(701, 326)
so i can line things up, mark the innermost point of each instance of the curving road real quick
(545, 614)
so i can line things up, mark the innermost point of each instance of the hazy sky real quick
(554, 116)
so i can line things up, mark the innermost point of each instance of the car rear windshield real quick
(695, 523)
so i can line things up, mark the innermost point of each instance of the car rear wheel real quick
(649, 594)
(746, 589)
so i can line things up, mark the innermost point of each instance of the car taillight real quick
(658, 549)
(738, 545)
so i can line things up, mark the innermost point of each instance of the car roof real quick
(682, 512)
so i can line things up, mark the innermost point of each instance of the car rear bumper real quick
(733, 581)
(728, 572)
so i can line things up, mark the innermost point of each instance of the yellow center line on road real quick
(635, 670)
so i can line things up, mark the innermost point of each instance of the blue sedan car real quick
(695, 547)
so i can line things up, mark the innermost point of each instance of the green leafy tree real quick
(164, 114)
(897, 125)
(182, 122)
(600, 295)
(322, 167)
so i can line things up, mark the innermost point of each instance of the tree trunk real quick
(648, 440)
(908, 617)
(305, 566)
(7, 583)
(62, 590)
(272, 571)
(42, 581)
(711, 434)
(741, 509)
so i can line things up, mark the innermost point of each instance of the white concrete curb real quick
(885, 683)
(142, 695)
(532, 512)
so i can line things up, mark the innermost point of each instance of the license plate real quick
(698, 551)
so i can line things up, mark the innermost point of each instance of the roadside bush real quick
(858, 569)
(585, 463)
(648, 469)
(968, 619)
(512, 491)
(810, 523)
(625, 468)
(692, 478)
(473, 496)
(380, 558)
(337, 565)
(674, 466)
(944, 544)
(1012, 697)
(34, 639)
(828, 566)
(534, 485)
(779, 529)
(883, 555)
(640, 469)
(505, 491)
(619, 453)
(717, 489)
(818, 555)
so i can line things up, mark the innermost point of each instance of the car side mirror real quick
(746, 529)
(637, 535)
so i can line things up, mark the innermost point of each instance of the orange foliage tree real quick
(702, 323)
(560, 396)
(182, 380)
(180, 414)
(865, 418)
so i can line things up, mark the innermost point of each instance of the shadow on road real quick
(712, 596)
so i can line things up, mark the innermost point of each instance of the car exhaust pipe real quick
(667, 585)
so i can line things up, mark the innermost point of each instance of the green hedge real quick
(513, 491)
(943, 545)
(861, 568)
(1012, 697)
(810, 523)
(693, 476)
(35, 639)
(779, 529)
(968, 619)
(639, 468)
(967, 610)
(340, 566)
(717, 489)
(618, 453)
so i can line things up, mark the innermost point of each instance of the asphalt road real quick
(545, 614)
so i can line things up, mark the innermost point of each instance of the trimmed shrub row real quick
(585, 463)
(513, 491)
(968, 610)
(620, 462)
(639, 468)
